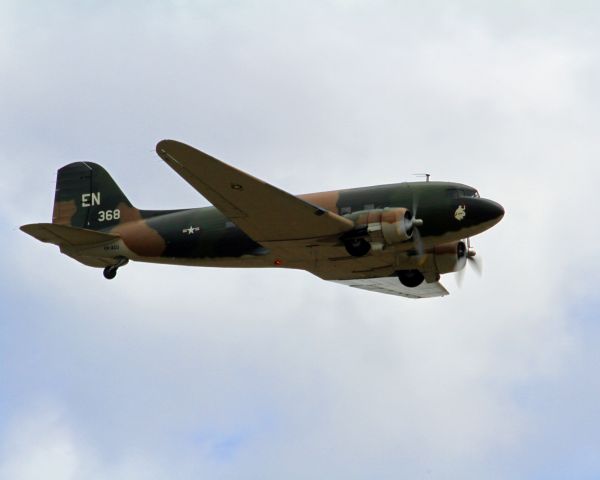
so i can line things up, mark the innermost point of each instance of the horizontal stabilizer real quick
(66, 236)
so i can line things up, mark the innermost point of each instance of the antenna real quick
(426, 175)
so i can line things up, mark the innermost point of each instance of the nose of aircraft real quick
(488, 210)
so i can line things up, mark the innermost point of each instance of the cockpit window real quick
(462, 192)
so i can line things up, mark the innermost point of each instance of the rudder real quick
(87, 197)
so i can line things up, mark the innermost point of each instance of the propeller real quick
(415, 223)
(472, 260)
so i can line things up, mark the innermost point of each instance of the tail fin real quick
(87, 197)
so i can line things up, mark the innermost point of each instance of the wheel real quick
(110, 272)
(410, 278)
(357, 247)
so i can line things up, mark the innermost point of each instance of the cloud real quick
(41, 441)
(181, 372)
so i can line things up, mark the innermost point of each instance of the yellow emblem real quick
(460, 212)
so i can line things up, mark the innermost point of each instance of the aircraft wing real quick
(392, 286)
(263, 211)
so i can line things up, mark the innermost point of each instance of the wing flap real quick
(392, 286)
(266, 213)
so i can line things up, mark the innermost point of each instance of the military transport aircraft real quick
(394, 239)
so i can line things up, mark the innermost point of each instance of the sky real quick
(174, 372)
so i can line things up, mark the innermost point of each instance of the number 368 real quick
(109, 215)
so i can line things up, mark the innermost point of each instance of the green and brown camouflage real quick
(359, 233)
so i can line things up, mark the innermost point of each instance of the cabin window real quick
(461, 193)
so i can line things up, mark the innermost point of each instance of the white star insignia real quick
(190, 230)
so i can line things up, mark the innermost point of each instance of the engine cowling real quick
(386, 226)
(450, 257)
(396, 226)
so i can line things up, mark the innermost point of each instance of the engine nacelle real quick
(396, 225)
(450, 257)
(386, 226)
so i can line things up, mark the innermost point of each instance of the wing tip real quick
(163, 145)
(29, 228)
(169, 150)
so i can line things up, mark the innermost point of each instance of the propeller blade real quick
(473, 261)
(476, 264)
(418, 242)
(460, 277)
(415, 223)
(415, 206)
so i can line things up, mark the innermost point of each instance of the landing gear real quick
(357, 247)
(410, 278)
(110, 272)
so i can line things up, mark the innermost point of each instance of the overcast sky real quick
(173, 372)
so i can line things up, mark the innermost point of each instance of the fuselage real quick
(205, 237)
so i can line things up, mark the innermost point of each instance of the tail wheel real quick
(410, 278)
(357, 247)
(110, 272)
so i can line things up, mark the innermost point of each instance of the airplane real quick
(396, 239)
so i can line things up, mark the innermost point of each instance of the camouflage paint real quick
(87, 197)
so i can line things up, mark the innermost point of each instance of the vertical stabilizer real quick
(87, 197)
